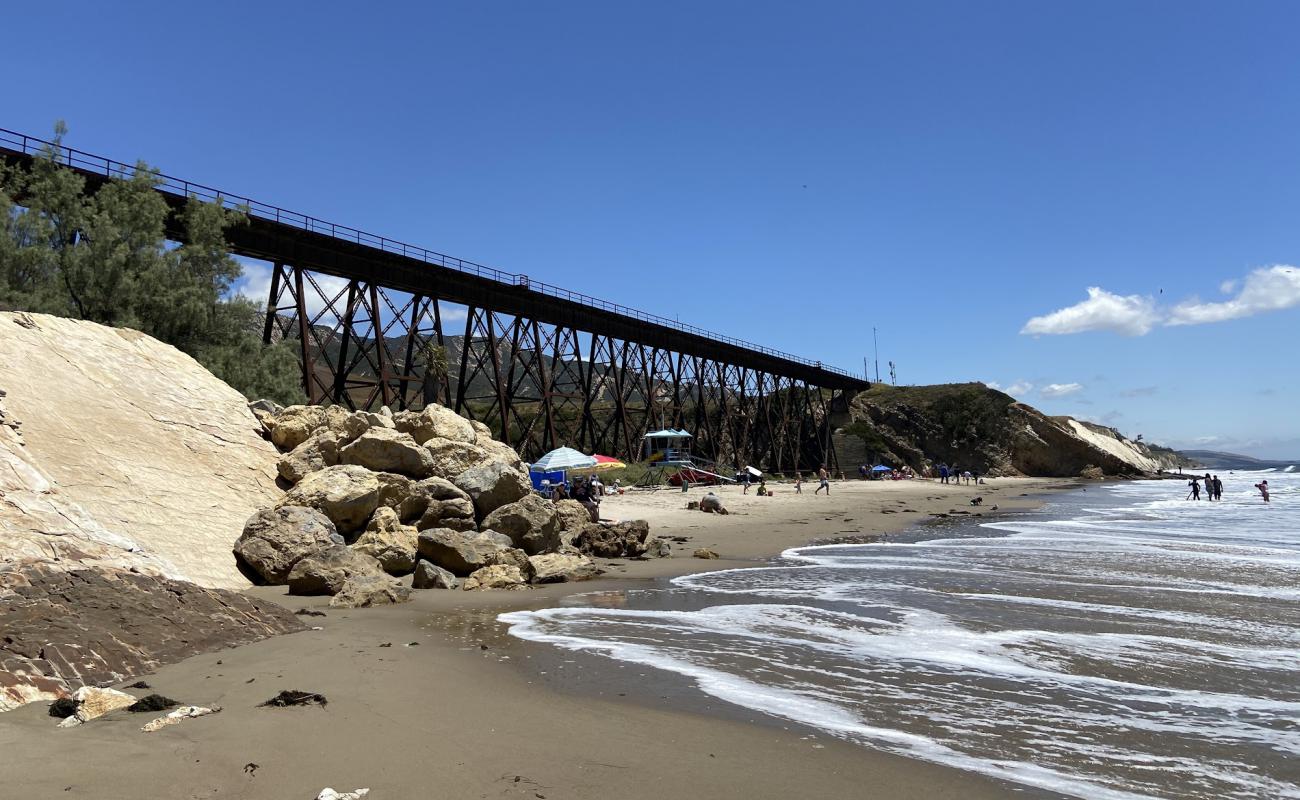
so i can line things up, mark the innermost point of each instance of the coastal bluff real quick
(126, 470)
(973, 426)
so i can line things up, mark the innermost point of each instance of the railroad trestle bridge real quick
(380, 322)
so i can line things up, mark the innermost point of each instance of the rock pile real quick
(377, 496)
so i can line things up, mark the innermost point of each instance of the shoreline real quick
(470, 711)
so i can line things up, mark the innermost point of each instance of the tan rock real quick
(572, 514)
(388, 450)
(319, 451)
(561, 568)
(390, 542)
(325, 572)
(492, 485)
(531, 523)
(132, 454)
(435, 422)
(347, 494)
(461, 553)
(705, 553)
(364, 591)
(295, 425)
(93, 702)
(450, 457)
(496, 576)
(177, 716)
(275, 539)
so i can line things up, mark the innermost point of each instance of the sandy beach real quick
(433, 699)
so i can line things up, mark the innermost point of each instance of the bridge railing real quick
(33, 146)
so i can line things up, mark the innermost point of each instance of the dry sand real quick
(465, 713)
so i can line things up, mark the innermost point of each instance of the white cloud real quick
(1268, 289)
(1020, 388)
(1060, 389)
(993, 384)
(1132, 315)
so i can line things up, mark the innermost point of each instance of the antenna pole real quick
(876, 345)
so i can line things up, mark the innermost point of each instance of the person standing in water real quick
(1218, 488)
(1196, 488)
(1262, 487)
(1209, 487)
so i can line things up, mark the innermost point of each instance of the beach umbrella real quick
(606, 462)
(881, 468)
(562, 458)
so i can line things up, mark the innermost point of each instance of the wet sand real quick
(466, 712)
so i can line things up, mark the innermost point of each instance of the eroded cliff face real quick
(978, 428)
(126, 470)
(131, 453)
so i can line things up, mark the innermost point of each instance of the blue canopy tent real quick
(542, 481)
(882, 468)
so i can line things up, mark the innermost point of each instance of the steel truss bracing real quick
(542, 365)
(540, 385)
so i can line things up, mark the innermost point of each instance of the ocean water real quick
(1119, 643)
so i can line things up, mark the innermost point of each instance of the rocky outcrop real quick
(461, 553)
(348, 494)
(977, 428)
(572, 514)
(92, 702)
(561, 568)
(492, 485)
(63, 629)
(451, 457)
(620, 540)
(326, 571)
(319, 451)
(431, 576)
(496, 576)
(436, 422)
(364, 591)
(155, 463)
(390, 542)
(275, 539)
(388, 450)
(531, 523)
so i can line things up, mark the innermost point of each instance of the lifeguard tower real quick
(671, 449)
(667, 447)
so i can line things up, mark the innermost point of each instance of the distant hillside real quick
(1218, 460)
(974, 427)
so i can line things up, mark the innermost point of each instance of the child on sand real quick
(825, 477)
(798, 483)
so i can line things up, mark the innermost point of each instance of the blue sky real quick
(793, 174)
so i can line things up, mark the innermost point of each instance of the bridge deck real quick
(282, 236)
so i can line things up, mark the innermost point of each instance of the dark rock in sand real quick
(325, 572)
(431, 576)
(294, 697)
(63, 708)
(152, 702)
(620, 540)
(65, 629)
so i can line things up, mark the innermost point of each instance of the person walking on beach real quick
(943, 473)
(1262, 487)
(1218, 488)
(825, 481)
(798, 483)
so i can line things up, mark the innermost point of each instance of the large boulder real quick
(620, 540)
(492, 485)
(326, 572)
(560, 568)
(531, 523)
(395, 493)
(461, 553)
(388, 450)
(435, 422)
(439, 503)
(319, 451)
(431, 576)
(90, 702)
(275, 539)
(295, 425)
(346, 493)
(496, 576)
(363, 591)
(390, 542)
(514, 557)
(500, 452)
(573, 515)
(451, 457)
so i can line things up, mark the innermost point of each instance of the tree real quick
(104, 257)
